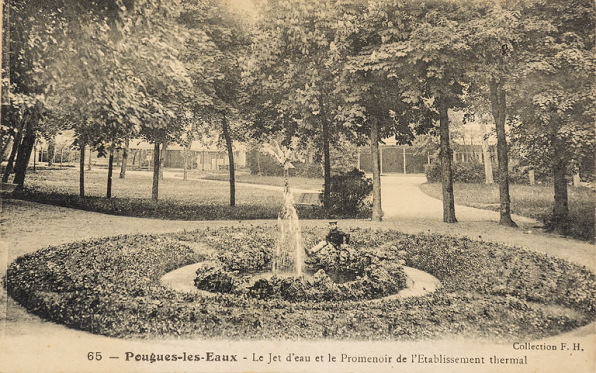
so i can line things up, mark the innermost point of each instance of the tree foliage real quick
(555, 110)
(317, 71)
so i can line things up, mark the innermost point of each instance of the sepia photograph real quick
(298, 186)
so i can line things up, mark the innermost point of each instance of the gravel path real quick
(30, 344)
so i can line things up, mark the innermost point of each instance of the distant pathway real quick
(401, 198)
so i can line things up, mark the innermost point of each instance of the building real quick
(201, 157)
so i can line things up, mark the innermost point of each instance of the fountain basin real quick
(418, 282)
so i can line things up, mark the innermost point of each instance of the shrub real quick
(269, 166)
(433, 172)
(310, 170)
(264, 164)
(520, 175)
(467, 172)
(349, 192)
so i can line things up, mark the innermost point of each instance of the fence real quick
(395, 159)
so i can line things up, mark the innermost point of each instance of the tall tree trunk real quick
(156, 164)
(377, 212)
(162, 156)
(228, 138)
(83, 145)
(559, 221)
(24, 154)
(13, 153)
(110, 171)
(124, 159)
(446, 171)
(326, 165)
(499, 111)
(51, 150)
(488, 166)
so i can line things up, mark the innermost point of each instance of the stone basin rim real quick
(418, 282)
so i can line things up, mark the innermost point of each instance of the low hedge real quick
(111, 286)
(467, 172)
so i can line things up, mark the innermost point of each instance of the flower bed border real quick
(111, 286)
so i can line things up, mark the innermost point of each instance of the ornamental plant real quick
(349, 193)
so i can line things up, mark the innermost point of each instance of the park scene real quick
(387, 171)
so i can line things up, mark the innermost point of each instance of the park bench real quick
(308, 199)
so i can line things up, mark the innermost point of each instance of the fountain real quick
(288, 255)
(279, 270)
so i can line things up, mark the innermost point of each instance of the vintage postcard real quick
(297, 186)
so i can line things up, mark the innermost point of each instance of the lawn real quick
(245, 177)
(534, 201)
(185, 200)
(138, 185)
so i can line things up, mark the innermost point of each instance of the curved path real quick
(29, 344)
(401, 197)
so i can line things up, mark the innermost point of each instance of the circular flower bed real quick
(111, 286)
(353, 272)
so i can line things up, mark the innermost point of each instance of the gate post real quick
(405, 163)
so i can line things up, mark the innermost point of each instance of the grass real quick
(533, 201)
(184, 200)
(138, 186)
(244, 177)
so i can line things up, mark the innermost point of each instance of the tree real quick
(423, 47)
(555, 114)
(40, 33)
(496, 35)
(294, 72)
(35, 31)
(125, 158)
(375, 85)
(120, 76)
(217, 43)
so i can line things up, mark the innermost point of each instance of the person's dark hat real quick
(333, 222)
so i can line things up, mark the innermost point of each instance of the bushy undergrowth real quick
(466, 172)
(111, 286)
(353, 272)
(348, 193)
(268, 166)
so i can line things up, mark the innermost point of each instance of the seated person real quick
(335, 238)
